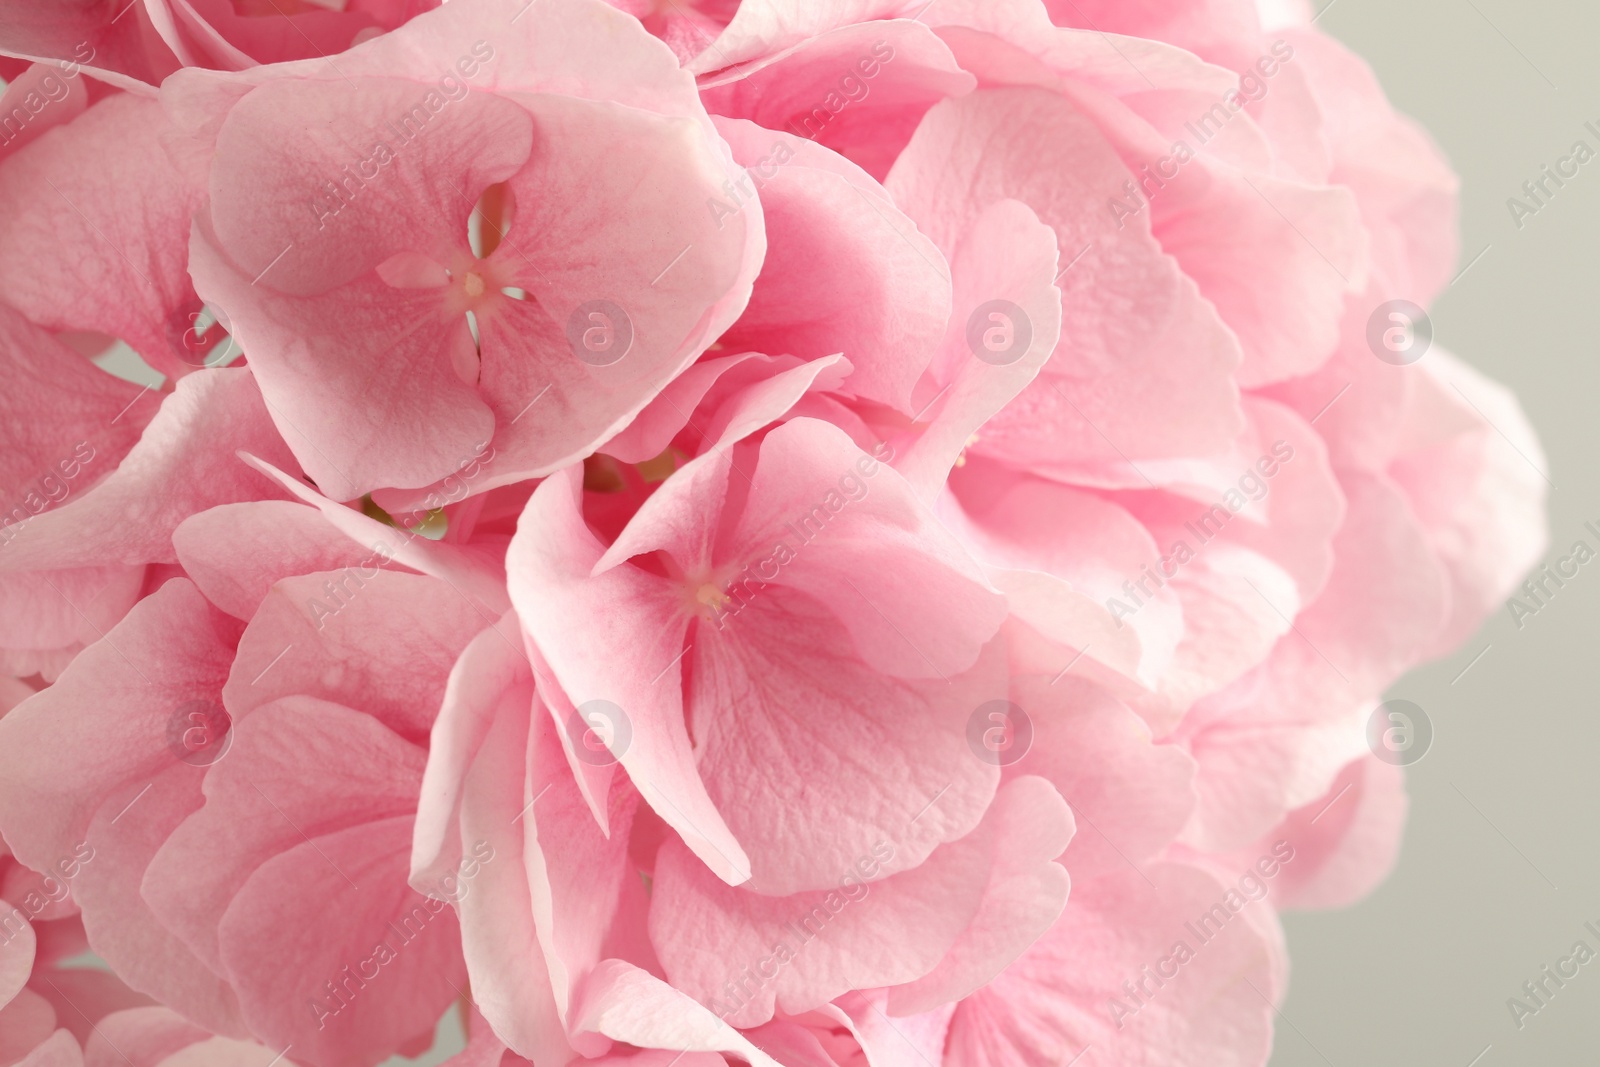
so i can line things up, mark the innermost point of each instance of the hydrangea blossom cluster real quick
(821, 533)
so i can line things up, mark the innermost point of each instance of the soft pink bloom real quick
(94, 222)
(48, 1009)
(98, 471)
(36, 98)
(159, 1037)
(243, 753)
(859, 534)
(342, 262)
(687, 26)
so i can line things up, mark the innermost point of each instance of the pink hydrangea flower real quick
(98, 471)
(250, 811)
(789, 533)
(343, 263)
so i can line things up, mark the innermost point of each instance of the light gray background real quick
(1483, 897)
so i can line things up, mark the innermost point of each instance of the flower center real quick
(710, 596)
(475, 285)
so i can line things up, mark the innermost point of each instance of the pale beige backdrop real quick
(1500, 869)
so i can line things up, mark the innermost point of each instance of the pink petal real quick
(1130, 797)
(1401, 179)
(67, 422)
(213, 33)
(26, 1022)
(1062, 555)
(60, 1050)
(16, 951)
(184, 464)
(118, 719)
(1292, 249)
(499, 934)
(297, 768)
(648, 435)
(145, 1036)
(747, 955)
(806, 468)
(550, 566)
(627, 1004)
(846, 271)
(580, 48)
(490, 680)
(1354, 842)
(225, 1052)
(122, 52)
(1273, 741)
(380, 974)
(1200, 26)
(46, 96)
(761, 29)
(123, 929)
(1009, 256)
(384, 644)
(1106, 399)
(83, 998)
(1281, 275)
(478, 576)
(859, 89)
(735, 394)
(46, 617)
(1062, 996)
(235, 552)
(1025, 896)
(113, 788)
(899, 1042)
(1480, 492)
(94, 227)
(575, 873)
(797, 791)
